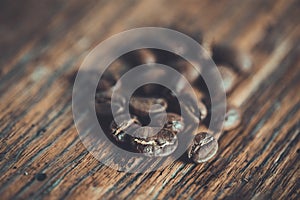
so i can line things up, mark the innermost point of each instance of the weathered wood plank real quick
(260, 159)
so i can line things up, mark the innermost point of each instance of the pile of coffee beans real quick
(155, 119)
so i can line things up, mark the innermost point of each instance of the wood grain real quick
(42, 44)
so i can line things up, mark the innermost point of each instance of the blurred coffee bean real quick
(128, 124)
(173, 103)
(142, 106)
(165, 57)
(194, 108)
(232, 119)
(239, 60)
(104, 85)
(203, 110)
(110, 77)
(139, 57)
(155, 142)
(207, 44)
(155, 75)
(229, 77)
(179, 84)
(150, 90)
(190, 71)
(203, 148)
(150, 74)
(104, 104)
(197, 35)
(173, 122)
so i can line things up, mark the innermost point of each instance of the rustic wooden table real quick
(43, 42)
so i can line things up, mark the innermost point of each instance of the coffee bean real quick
(173, 122)
(150, 90)
(203, 110)
(179, 84)
(139, 57)
(240, 61)
(104, 85)
(104, 104)
(232, 119)
(196, 110)
(121, 132)
(152, 74)
(155, 142)
(190, 71)
(117, 68)
(110, 77)
(228, 76)
(146, 56)
(142, 106)
(204, 147)
(207, 43)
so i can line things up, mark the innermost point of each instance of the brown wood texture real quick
(43, 42)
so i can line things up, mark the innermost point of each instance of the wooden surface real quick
(43, 42)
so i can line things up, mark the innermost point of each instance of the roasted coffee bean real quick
(142, 106)
(154, 142)
(172, 100)
(198, 36)
(232, 119)
(146, 56)
(207, 43)
(239, 60)
(110, 77)
(190, 71)
(104, 85)
(107, 85)
(104, 104)
(196, 110)
(152, 74)
(179, 84)
(121, 132)
(203, 110)
(173, 122)
(204, 147)
(228, 76)
(106, 82)
(150, 90)
(139, 57)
